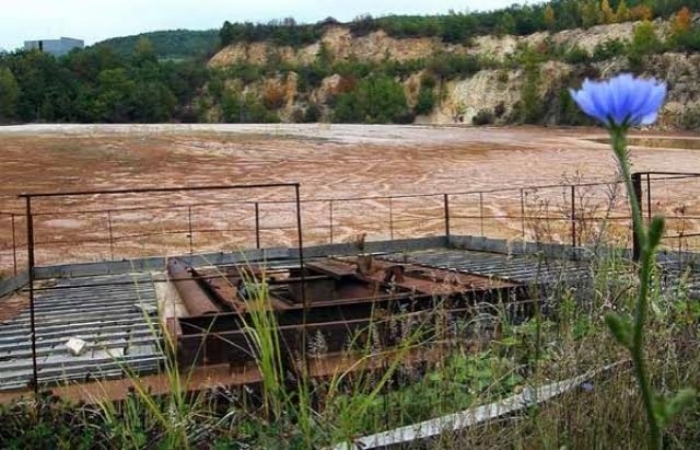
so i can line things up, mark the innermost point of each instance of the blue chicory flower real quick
(622, 101)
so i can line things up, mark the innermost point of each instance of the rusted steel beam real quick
(195, 298)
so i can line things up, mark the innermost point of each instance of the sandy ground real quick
(330, 162)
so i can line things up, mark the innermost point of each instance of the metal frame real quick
(31, 243)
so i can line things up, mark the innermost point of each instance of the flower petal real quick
(654, 98)
(584, 102)
(621, 101)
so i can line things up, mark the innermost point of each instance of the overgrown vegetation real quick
(168, 45)
(495, 350)
(137, 80)
(97, 85)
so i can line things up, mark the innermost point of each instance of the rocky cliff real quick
(496, 90)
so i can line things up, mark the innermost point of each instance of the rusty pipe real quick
(193, 296)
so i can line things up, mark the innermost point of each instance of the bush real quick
(609, 49)
(312, 113)
(273, 96)
(483, 117)
(377, 99)
(500, 110)
(426, 96)
(577, 55)
(690, 120)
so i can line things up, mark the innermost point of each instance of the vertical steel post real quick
(14, 246)
(111, 235)
(391, 219)
(257, 225)
(446, 204)
(522, 212)
(481, 211)
(637, 193)
(573, 216)
(330, 218)
(30, 273)
(189, 226)
(649, 196)
(302, 276)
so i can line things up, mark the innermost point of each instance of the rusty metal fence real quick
(91, 229)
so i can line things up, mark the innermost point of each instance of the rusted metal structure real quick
(341, 299)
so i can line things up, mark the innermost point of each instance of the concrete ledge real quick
(237, 257)
(473, 243)
(399, 245)
(13, 284)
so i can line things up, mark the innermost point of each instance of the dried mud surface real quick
(329, 161)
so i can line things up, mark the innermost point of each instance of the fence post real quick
(637, 192)
(189, 226)
(14, 246)
(446, 204)
(522, 212)
(330, 219)
(109, 230)
(257, 225)
(481, 211)
(391, 218)
(30, 273)
(573, 216)
(649, 196)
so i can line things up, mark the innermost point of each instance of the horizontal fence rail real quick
(83, 229)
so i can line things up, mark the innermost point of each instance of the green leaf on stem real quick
(680, 401)
(621, 328)
(656, 231)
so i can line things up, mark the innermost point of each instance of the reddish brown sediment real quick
(329, 161)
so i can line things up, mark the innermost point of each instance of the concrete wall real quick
(55, 47)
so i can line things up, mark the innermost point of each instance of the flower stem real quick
(646, 261)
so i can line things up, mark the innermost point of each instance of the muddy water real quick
(330, 162)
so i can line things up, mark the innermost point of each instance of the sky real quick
(96, 20)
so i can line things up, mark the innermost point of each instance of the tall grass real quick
(442, 363)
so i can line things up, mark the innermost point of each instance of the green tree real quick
(144, 52)
(549, 17)
(426, 96)
(505, 24)
(114, 99)
(644, 42)
(151, 102)
(377, 99)
(530, 99)
(623, 12)
(9, 95)
(607, 11)
(591, 14)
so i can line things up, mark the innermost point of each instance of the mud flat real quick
(330, 162)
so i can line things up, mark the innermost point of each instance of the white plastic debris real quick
(76, 346)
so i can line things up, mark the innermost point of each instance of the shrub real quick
(609, 49)
(377, 99)
(690, 120)
(500, 110)
(312, 113)
(576, 55)
(483, 117)
(273, 96)
(426, 96)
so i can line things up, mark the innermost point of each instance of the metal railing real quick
(571, 213)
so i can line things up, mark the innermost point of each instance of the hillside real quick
(172, 44)
(510, 66)
(342, 76)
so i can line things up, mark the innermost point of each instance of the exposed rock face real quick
(496, 91)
